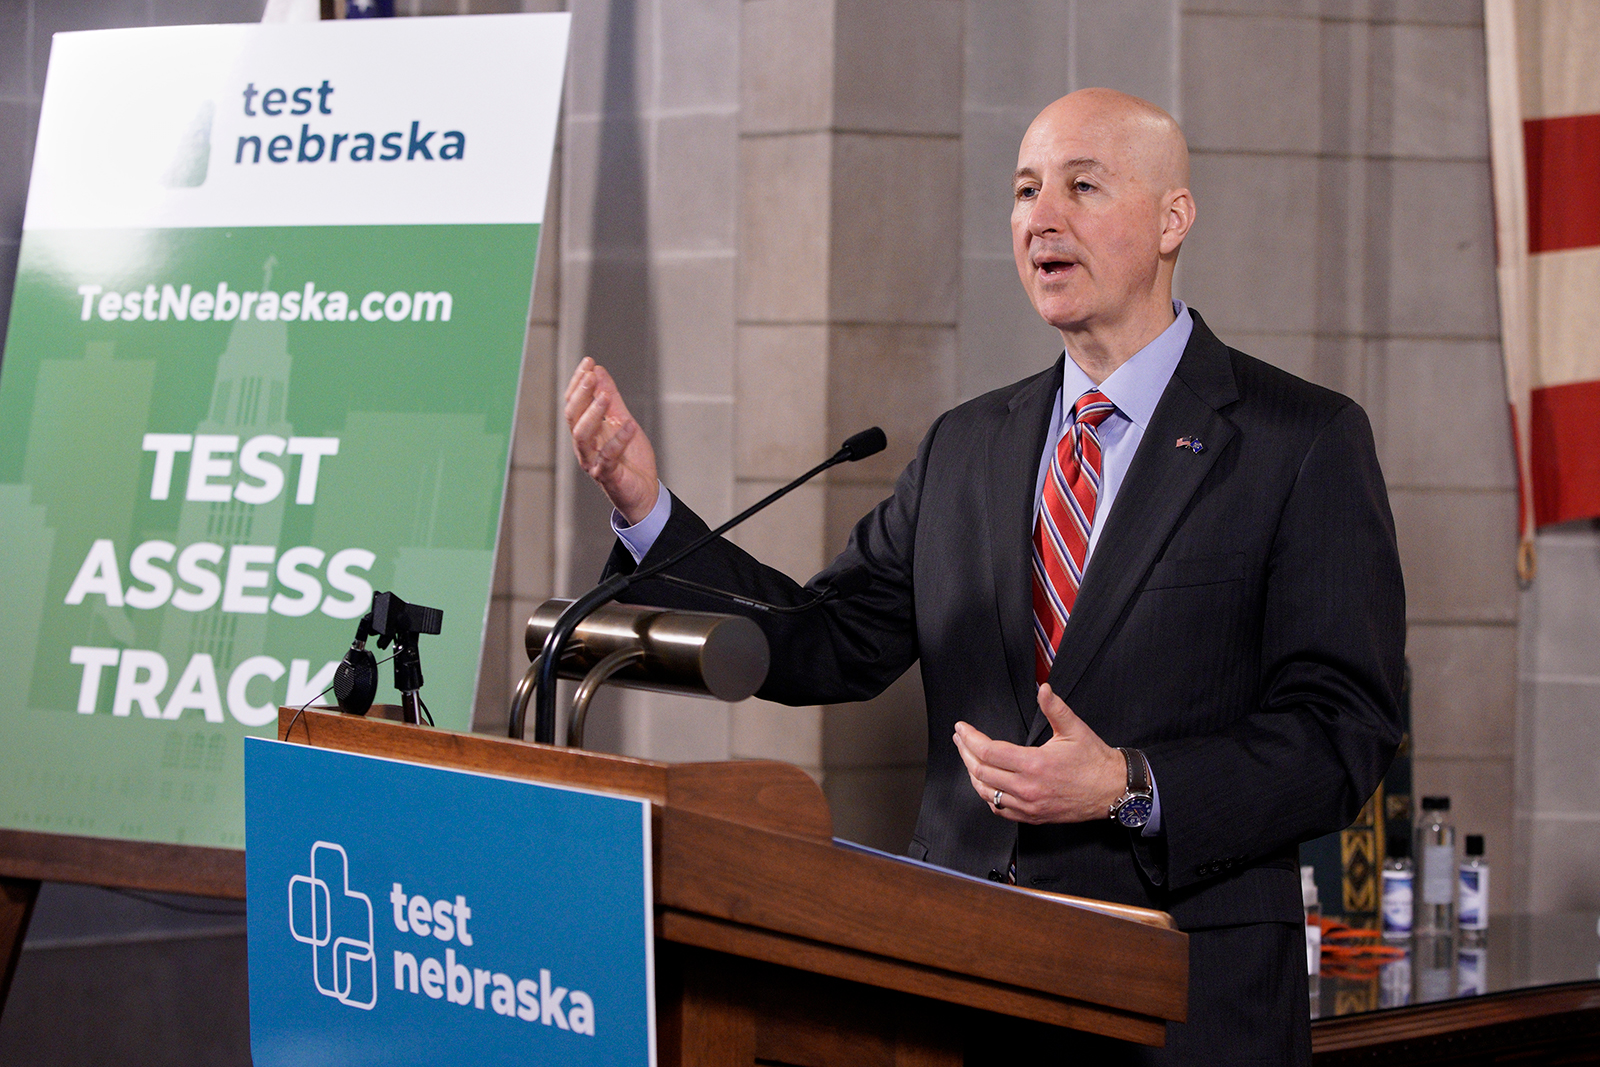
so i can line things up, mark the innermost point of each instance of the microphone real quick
(355, 680)
(868, 442)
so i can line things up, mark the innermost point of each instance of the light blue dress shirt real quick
(1135, 388)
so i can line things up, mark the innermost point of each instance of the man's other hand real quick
(1073, 777)
(610, 446)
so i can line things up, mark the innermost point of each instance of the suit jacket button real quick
(996, 876)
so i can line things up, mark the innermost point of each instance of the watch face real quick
(1135, 812)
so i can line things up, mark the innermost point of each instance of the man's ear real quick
(1177, 216)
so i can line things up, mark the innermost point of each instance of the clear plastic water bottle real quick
(1437, 872)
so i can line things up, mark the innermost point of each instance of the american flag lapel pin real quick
(1192, 444)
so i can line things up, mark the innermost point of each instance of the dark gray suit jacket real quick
(1241, 621)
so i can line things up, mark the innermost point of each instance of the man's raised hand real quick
(1073, 777)
(610, 446)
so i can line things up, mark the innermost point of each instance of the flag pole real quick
(1509, 169)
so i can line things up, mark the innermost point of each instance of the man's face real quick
(1085, 222)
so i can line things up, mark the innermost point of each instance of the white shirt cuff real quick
(641, 536)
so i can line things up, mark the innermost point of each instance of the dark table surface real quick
(1520, 952)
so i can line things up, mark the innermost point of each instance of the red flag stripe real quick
(1563, 171)
(1566, 452)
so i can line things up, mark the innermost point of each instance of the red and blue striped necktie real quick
(1061, 532)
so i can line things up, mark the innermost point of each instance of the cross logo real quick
(337, 926)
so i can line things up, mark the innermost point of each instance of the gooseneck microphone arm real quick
(845, 584)
(858, 446)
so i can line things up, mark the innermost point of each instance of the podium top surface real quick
(745, 864)
(760, 793)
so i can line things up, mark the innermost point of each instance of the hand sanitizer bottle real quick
(1474, 888)
(1398, 884)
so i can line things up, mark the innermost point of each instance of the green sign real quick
(239, 396)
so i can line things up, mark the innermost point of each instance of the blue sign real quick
(401, 914)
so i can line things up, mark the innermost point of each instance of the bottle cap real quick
(1474, 844)
(1308, 886)
(1435, 803)
(1397, 847)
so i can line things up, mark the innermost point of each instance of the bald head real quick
(1101, 205)
(1142, 137)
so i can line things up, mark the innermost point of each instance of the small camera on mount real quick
(391, 620)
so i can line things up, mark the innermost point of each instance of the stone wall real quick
(1345, 233)
(1556, 833)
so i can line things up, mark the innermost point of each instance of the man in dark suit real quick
(1153, 591)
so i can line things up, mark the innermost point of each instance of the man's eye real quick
(1027, 192)
(1081, 186)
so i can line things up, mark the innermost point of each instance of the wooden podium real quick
(775, 945)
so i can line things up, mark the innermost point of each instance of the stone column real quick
(848, 281)
(647, 268)
(524, 557)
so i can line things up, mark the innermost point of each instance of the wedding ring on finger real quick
(996, 799)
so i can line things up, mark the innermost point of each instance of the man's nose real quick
(1048, 212)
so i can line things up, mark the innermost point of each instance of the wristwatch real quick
(1133, 808)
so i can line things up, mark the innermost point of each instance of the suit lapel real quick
(1154, 494)
(1013, 464)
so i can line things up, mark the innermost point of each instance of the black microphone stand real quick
(858, 446)
(408, 676)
